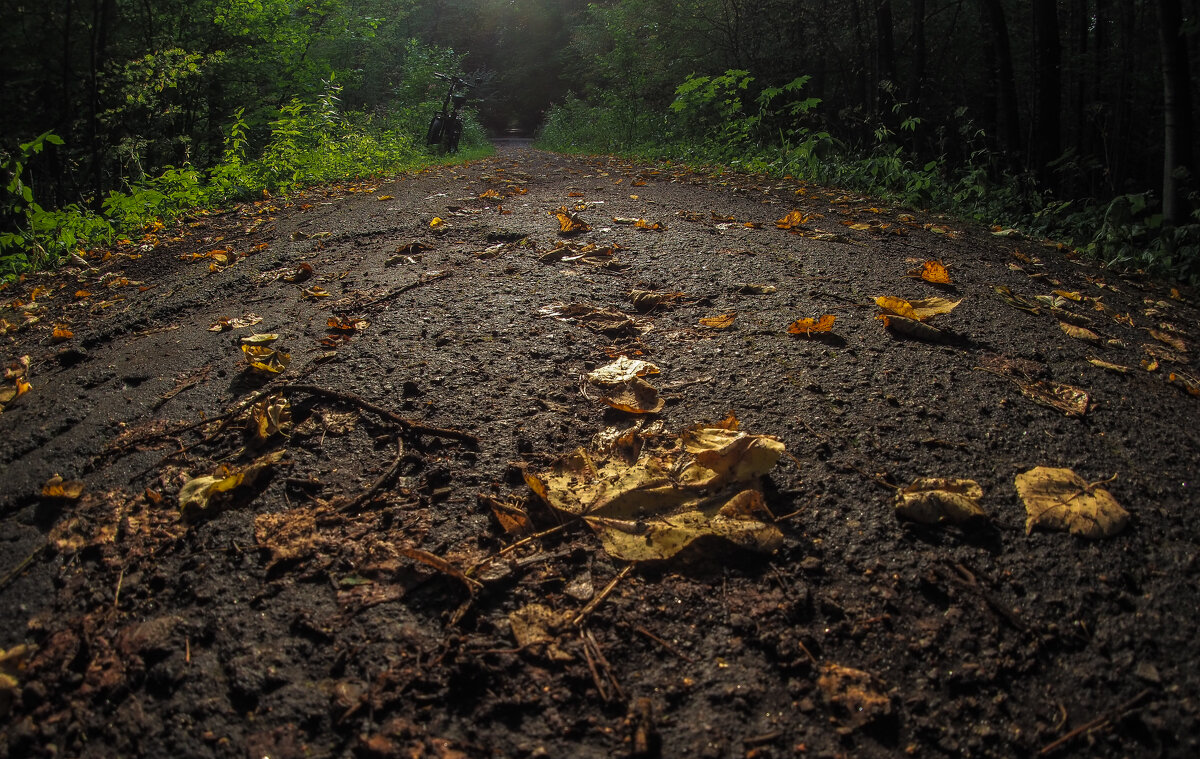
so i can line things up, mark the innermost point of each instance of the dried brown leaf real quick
(1062, 500)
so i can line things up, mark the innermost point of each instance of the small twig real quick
(664, 644)
(590, 642)
(807, 653)
(880, 481)
(513, 546)
(1101, 720)
(591, 662)
(393, 294)
(117, 594)
(17, 570)
(599, 599)
(375, 408)
(383, 481)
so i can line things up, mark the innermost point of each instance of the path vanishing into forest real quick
(566, 456)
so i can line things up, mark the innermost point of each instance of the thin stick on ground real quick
(599, 599)
(643, 631)
(514, 546)
(1099, 721)
(383, 481)
(407, 424)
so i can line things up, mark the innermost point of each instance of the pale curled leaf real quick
(621, 370)
(197, 496)
(634, 395)
(1070, 400)
(649, 501)
(938, 500)
(1062, 500)
(912, 328)
(1080, 333)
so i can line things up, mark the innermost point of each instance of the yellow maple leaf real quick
(808, 325)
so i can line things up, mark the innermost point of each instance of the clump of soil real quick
(365, 571)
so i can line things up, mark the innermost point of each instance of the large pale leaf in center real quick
(706, 482)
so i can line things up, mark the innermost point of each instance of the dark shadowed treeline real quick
(1076, 117)
(1051, 107)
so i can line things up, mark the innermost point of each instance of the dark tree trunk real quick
(860, 79)
(916, 84)
(1177, 112)
(885, 50)
(1047, 137)
(1009, 120)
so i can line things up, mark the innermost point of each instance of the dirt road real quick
(345, 557)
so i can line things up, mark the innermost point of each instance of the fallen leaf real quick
(1167, 338)
(808, 326)
(860, 696)
(938, 500)
(537, 625)
(1080, 333)
(413, 248)
(721, 321)
(1059, 499)
(648, 300)
(1188, 383)
(1070, 400)
(510, 514)
(238, 322)
(385, 197)
(57, 487)
(1014, 300)
(346, 324)
(621, 370)
(1110, 367)
(1077, 297)
(301, 273)
(705, 482)
(794, 220)
(16, 374)
(62, 333)
(316, 291)
(264, 358)
(755, 288)
(902, 325)
(490, 195)
(260, 338)
(568, 222)
(436, 221)
(12, 664)
(635, 396)
(205, 496)
(604, 321)
(270, 416)
(932, 271)
(920, 310)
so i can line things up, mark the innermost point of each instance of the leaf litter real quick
(652, 503)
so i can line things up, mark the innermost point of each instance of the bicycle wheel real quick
(453, 133)
(436, 128)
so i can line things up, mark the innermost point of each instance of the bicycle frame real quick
(445, 129)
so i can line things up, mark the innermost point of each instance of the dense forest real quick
(1072, 118)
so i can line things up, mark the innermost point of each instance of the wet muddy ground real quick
(346, 559)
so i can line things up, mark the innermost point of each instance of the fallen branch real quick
(355, 400)
(1099, 721)
(393, 294)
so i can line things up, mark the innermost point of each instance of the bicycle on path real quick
(446, 127)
